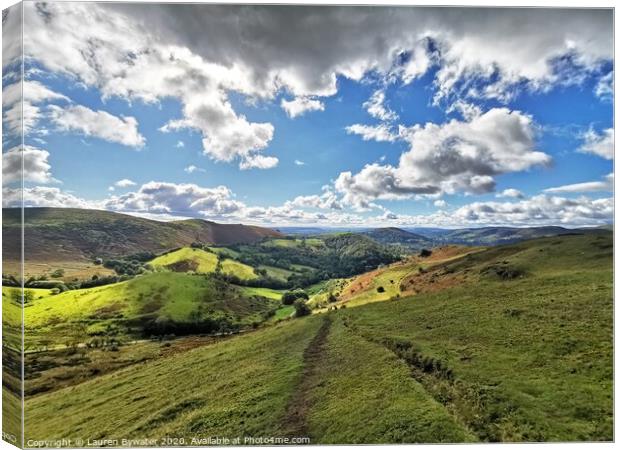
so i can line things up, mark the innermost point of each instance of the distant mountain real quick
(316, 231)
(398, 236)
(68, 234)
(503, 235)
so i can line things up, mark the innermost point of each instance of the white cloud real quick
(43, 196)
(379, 133)
(192, 168)
(601, 144)
(301, 105)
(440, 204)
(299, 163)
(34, 93)
(180, 144)
(99, 124)
(125, 183)
(511, 193)
(177, 199)
(607, 184)
(604, 89)
(479, 53)
(36, 168)
(258, 162)
(454, 156)
(377, 109)
(540, 209)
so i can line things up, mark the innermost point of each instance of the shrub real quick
(58, 273)
(425, 253)
(288, 298)
(301, 308)
(380, 289)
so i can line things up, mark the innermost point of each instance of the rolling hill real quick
(57, 235)
(397, 236)
(518, 348)
(495, 235)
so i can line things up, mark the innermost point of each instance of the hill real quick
(397, 236)
(518, 348)
(155, 304)
(77, 236)
(496, 235)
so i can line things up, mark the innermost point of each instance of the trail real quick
(296, 420)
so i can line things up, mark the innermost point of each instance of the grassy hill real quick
(155, 304)
(57, 237)
(517, 346)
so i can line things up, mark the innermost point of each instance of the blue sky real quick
(437, 129)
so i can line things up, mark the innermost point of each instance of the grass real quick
(225, 251)
(238, 387)
(294, 243)
(186, 259)
(165, 295)
(272, 294)
(530, 358)
(518, 347)
(277, 272)
(238, 269)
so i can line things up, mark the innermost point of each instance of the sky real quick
(312, 115)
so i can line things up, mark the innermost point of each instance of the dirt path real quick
(296, 423)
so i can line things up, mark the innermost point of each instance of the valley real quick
(313, 335)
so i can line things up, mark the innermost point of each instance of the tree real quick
(380, 289)
(301, 308)
(425, 253)
(288, 298)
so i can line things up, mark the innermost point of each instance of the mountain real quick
(503, 235)
(397, 236)
(68, 234)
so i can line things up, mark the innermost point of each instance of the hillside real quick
(496, 235)
(397, 236)
(154, 304)
(70, 236)
(518, 348)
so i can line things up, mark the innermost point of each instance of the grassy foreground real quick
(517, 347)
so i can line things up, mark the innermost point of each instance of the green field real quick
(277, 272)
(507, 354)
(156, 298)
(239, 270)
(186, 259)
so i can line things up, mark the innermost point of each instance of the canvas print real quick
(298, 224)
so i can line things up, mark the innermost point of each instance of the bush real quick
(425, 253)
(58, 273)
(288, 298)
(380, 289)
(301, 308)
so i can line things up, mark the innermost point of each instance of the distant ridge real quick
(70, 234)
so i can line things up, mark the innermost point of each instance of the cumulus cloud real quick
(540, 209)
(600, 144)
(260, 51)
(14, 110)
(454, 156)
(440, 203)
(299, 163)
(376, 107)
(379, 133)
(301, 105)
(99, 124)
(180, 144)
(40, 196)
(125, 183)
(607, 184)
(36, 168)
(511, 193)
(177, 199)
